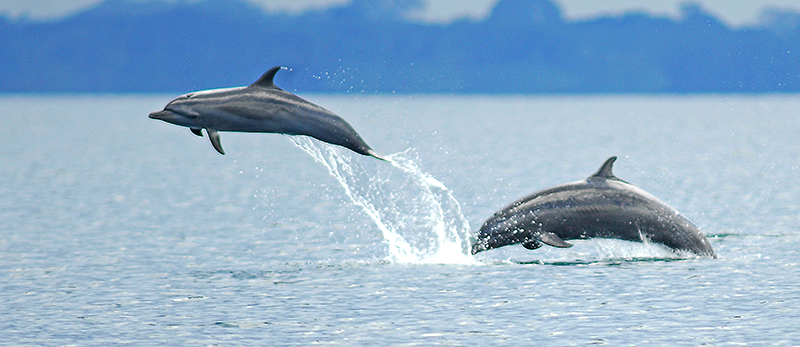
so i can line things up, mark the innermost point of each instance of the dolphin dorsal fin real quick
(266, 79)
(606, 170)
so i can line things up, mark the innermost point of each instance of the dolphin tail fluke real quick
(213, 135)
(375, 155)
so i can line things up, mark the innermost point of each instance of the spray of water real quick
(419, 218)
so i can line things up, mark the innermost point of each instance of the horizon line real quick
(419, 17)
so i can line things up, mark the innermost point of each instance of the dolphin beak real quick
(160, 114)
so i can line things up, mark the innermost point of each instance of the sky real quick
(733, 12)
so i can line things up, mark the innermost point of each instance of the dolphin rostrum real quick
(601, 206)
(260, 107)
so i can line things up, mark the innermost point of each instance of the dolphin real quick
(261, 107)
(601, 206)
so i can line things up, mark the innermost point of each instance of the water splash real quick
(613, 249)
(418, 216)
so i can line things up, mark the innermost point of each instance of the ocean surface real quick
(122, 230)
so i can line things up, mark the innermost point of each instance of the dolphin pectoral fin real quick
(552, 239)
(532, 244)
(197, 131)
(213, 135)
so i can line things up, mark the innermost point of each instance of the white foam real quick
(614, 249)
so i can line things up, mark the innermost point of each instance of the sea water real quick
(118, 229)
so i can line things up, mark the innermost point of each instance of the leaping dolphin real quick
(261, 107)
(601, 206)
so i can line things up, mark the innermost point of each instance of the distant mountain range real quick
(524, 46)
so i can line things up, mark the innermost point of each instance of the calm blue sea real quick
(122, 230)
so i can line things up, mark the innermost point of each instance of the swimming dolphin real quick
(261, 107)
(601, 206)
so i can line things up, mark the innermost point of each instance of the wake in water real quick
(418, 216)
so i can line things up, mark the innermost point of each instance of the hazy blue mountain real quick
(524, 46)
